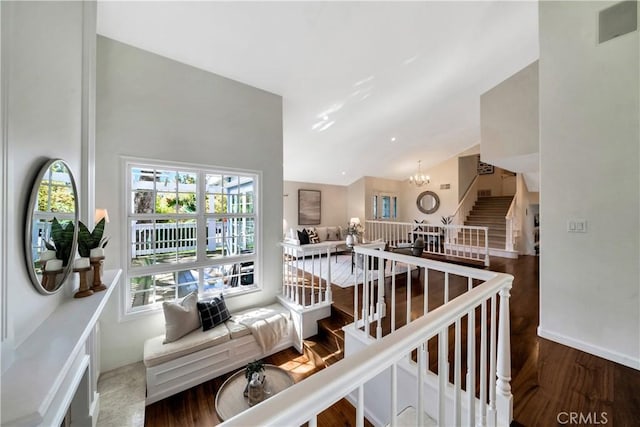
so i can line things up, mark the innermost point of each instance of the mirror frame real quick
(28, 228)
(422, 196)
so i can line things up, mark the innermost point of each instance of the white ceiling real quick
(352, 75)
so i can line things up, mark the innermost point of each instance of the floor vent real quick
(484, 193)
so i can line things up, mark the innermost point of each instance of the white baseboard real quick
(605, 353)
(503, 253)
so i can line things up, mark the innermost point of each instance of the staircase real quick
(327, 347)
(490, 212)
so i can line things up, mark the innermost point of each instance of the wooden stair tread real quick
(321, 352)
(332, 326)
(490, 212)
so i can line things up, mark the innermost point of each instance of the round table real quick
(230, 400)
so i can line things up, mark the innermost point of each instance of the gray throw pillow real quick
(180, 318)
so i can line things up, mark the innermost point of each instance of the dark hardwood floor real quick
(196, 406)
(550, 382)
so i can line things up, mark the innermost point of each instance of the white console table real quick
(56, 367)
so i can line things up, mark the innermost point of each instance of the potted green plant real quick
(62, 236)
(88, 240)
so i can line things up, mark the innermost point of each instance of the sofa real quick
(332, 237)
(203, 355)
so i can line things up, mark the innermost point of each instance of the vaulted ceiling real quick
(369, 88)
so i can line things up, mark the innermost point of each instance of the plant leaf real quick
(84, 240)
(98, 231)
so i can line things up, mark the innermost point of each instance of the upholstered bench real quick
(202, 355)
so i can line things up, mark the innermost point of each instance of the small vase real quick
(349, 240)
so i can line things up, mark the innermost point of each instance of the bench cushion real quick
(274, 308)
(155, 352)
(237, 330)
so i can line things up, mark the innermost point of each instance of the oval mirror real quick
(51, 228)
(428, 202)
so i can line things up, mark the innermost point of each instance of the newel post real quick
(504, 398)
(509, 236)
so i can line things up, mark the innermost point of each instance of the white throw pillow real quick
(334, 233)
(322, 233)
(180, 318)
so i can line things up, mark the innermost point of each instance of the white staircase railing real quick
(466, 203)
(303, 269)
(460, 241)
(409, 365)
(511, 225)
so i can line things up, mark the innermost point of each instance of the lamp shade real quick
(101, 213)
(354, 220)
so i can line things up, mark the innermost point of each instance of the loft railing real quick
(409, 365)
(306, 272)
(460, 241)
(467, 242)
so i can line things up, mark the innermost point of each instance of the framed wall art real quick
(309, 204)
(484, 168)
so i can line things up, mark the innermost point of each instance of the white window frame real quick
(377, 210)
(202, 261)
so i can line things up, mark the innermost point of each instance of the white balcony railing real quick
(410, 365)
(307, 289)
(460, 241)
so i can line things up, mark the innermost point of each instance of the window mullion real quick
(151, 270)
(201, 231)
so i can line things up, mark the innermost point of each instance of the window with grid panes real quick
(385, 206)
(189, 229)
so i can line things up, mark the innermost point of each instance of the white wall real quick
(467, 171)
(333, 198)
(152, 107)
(590, 155)
(41, 79)
(509, 122)
(501, 182)
(356, 200)
(444, 173)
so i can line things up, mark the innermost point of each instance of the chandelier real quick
(419, 178)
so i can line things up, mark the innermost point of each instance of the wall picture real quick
(309, 204)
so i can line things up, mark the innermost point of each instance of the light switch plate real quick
(577, 226)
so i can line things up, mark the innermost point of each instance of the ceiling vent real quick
(617, 20)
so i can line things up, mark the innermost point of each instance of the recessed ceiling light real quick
(393, 139)
(325, 117)
(344, 173)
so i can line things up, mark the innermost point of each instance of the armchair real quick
(416, 249)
